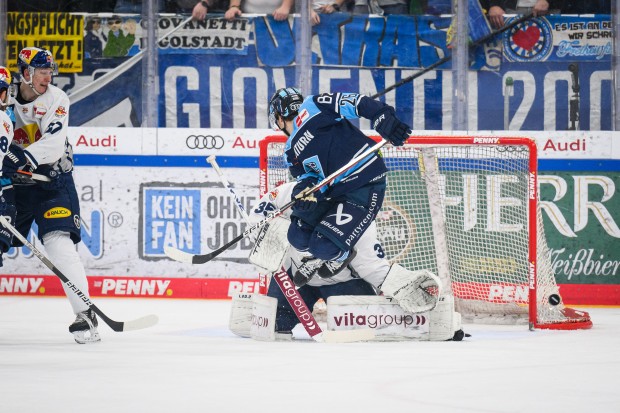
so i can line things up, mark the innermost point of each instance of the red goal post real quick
(467, 209)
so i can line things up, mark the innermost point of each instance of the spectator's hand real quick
(314, 18)
(390, 127)
(130, 26)
(496, 16)
(281, 13)
(540, 8)
(232, 13)
(199, 12)
(328, 9)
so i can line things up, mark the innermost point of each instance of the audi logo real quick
(204, 142)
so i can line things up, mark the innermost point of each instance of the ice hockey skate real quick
(306, 270)
(331, 268)
(84, 328)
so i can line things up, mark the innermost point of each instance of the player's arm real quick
(54, 125)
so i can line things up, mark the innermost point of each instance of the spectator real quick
(39, 6)
(199, 10)
(585, 6)
(380, 7)
(279, 9)
(119, 41)
(134, 6)
(94, 38)
(497, 9)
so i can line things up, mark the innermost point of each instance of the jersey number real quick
(53, 128)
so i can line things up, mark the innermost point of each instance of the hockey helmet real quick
(284, 103)
(6, 81)
(34, 58)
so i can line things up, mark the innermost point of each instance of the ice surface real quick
(190, 362)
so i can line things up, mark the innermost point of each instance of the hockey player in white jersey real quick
(40, 145)
(7, 197)
(367, 274)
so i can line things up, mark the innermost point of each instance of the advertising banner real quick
(60, 33)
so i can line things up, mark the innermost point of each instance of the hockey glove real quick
(55, 183)
(310, 202)
(390, 128)
(15, 160)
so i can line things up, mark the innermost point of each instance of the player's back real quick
(323, 140)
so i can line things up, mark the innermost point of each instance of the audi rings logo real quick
(204, 142)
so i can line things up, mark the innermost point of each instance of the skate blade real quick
(81, 337)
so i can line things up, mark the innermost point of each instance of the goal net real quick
(465, 208)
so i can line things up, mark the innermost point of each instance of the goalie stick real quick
(307, 320)
(439, 62)
(137, 324)
(182, 256)
(297, 303)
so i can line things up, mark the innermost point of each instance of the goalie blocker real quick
(254, 315)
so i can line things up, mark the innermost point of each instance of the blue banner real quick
(558, 68)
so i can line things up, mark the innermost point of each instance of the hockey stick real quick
(182, 256)
(304, 315)
(216, 167)
(439, 62)
(137, 324)
(262, 278)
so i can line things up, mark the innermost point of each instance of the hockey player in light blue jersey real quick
(321, 139)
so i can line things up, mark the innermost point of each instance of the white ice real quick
(190, 362)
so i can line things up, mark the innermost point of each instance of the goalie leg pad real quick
(241, 314)
(263, 324)
(390, 322)
(415, 291)
(444, 321)
(271, 245)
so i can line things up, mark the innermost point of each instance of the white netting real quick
(461, 211)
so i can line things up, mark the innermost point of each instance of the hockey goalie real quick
(363, 292)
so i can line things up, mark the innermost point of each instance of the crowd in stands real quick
(281, 9)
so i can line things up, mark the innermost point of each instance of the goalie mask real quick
(285, 104)
(6, 84)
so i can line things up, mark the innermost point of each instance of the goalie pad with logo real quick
(271, 245)
(254, 316)
(389, 321)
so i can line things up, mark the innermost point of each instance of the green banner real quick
(581, 212)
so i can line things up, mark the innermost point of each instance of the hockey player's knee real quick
(299, 234)
(325, 249)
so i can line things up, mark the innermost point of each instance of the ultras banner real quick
(526, 80)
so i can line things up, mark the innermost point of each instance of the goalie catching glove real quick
(390, 127)
(415, 291)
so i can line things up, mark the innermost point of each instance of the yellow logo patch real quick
(57, 213)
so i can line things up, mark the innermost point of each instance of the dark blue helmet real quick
(284, 103)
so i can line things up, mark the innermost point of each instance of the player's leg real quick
(57, 215)
(343, 225)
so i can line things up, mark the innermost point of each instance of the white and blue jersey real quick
(323, 140)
